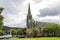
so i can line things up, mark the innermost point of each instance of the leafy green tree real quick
(20, 32)
(28, 32)
(13, 31)
(1, 18)
(51, 30)
(35, 31)
(1, 32)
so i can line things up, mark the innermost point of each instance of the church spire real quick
(29, 18)
(29, 10)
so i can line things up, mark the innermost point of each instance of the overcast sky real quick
(42, 10)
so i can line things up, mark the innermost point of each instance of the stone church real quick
(30, 23)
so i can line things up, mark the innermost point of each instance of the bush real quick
(35, 30)
(20, 32)
(13, 31)
(1, 32)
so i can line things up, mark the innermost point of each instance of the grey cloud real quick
(8, 6)
(49, 12)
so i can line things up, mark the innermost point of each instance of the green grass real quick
(42, 38)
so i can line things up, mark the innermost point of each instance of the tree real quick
(13, 31)
(28, 32)
(1, 18)
(35, 31)
(20, 32)
(51, 30)
(1, 32)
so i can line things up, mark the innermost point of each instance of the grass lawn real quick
(42, 38)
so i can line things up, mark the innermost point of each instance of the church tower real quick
(29, 18)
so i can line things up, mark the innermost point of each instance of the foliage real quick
(28, 32)
(1, 21)
(13, 31)
(1, 18)
(52, 29)
(20, 32)
(35, 30)
(1, 32)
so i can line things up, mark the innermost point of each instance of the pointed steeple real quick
(29, 10)
(29, 18)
